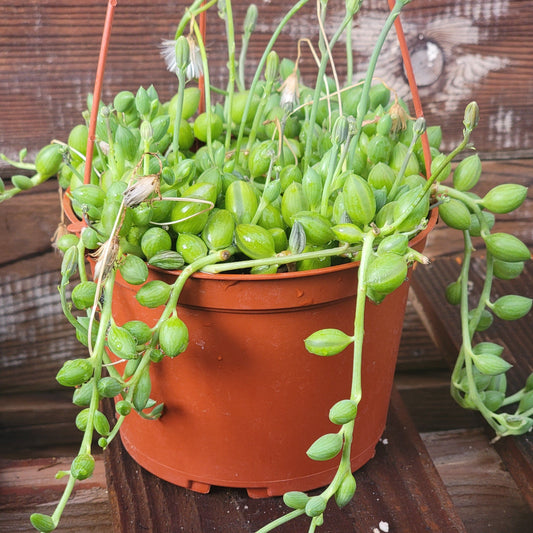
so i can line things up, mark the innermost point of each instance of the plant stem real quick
(359, 324)
(208, 108)
(186, 273)
(230, 35)
(468, 328)
(349, 52)
(259, 69)
(324, 201)
(259, 114)
(399, 177)
(364, 102)
(85, 447)
(56, 516)
(262, 202)
(37, 179)
(276, 260)
(179, 108)
(281, 520)
(18, 164)
(391, 228)
(195, 9)
(319, 82)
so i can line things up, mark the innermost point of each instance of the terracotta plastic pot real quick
(245, 401)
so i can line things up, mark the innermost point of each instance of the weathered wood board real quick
(461, 51)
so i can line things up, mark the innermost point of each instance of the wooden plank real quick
(426, 395)
(488, 501)
(462, 51)
(34, 335)
(399, 486)
(29, 486)
(417, 351)
(443, 321)
(36, 424)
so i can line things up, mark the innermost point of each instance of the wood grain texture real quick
(498, 505)
(399, 486)
(29, 486)
(443, 321)
(463, 50)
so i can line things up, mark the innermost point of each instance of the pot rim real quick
(77, 225)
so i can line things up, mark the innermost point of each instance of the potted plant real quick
(273, 201)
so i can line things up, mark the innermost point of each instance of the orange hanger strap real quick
(97, 93)
(412, 86)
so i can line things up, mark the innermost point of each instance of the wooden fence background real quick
(462, 51)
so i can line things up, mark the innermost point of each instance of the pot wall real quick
(246, 400)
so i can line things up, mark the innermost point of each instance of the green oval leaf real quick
(327, 342)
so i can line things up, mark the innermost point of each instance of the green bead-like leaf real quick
(141, 395)
(83, 394)
(343, 412)
(75, 372)
(485, 320)
(453, 293)
(455, 214)
(82, 466)
(49, 160)
(507, 247)
(326, 342)
(254, 241)
(139, 329)
(347, 232)
(491, 365)
(467, 173)
(506, 270)
(325, 447)
(505, 198)
(315, 506)
(121, 342)
(101, 424)
(83, 294)
(396, 243)
(109, 387)
(42, 522)
(123, 407)
(153, 294)
(21, 182)
(173, 336)
(386, 272)
(295, 499)
(81, 419)
(134, 270)
(359, 200)
(526, 402)
(316, 227)
(493, 399)
(345, 492)
(488, 347)
(512, 307)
